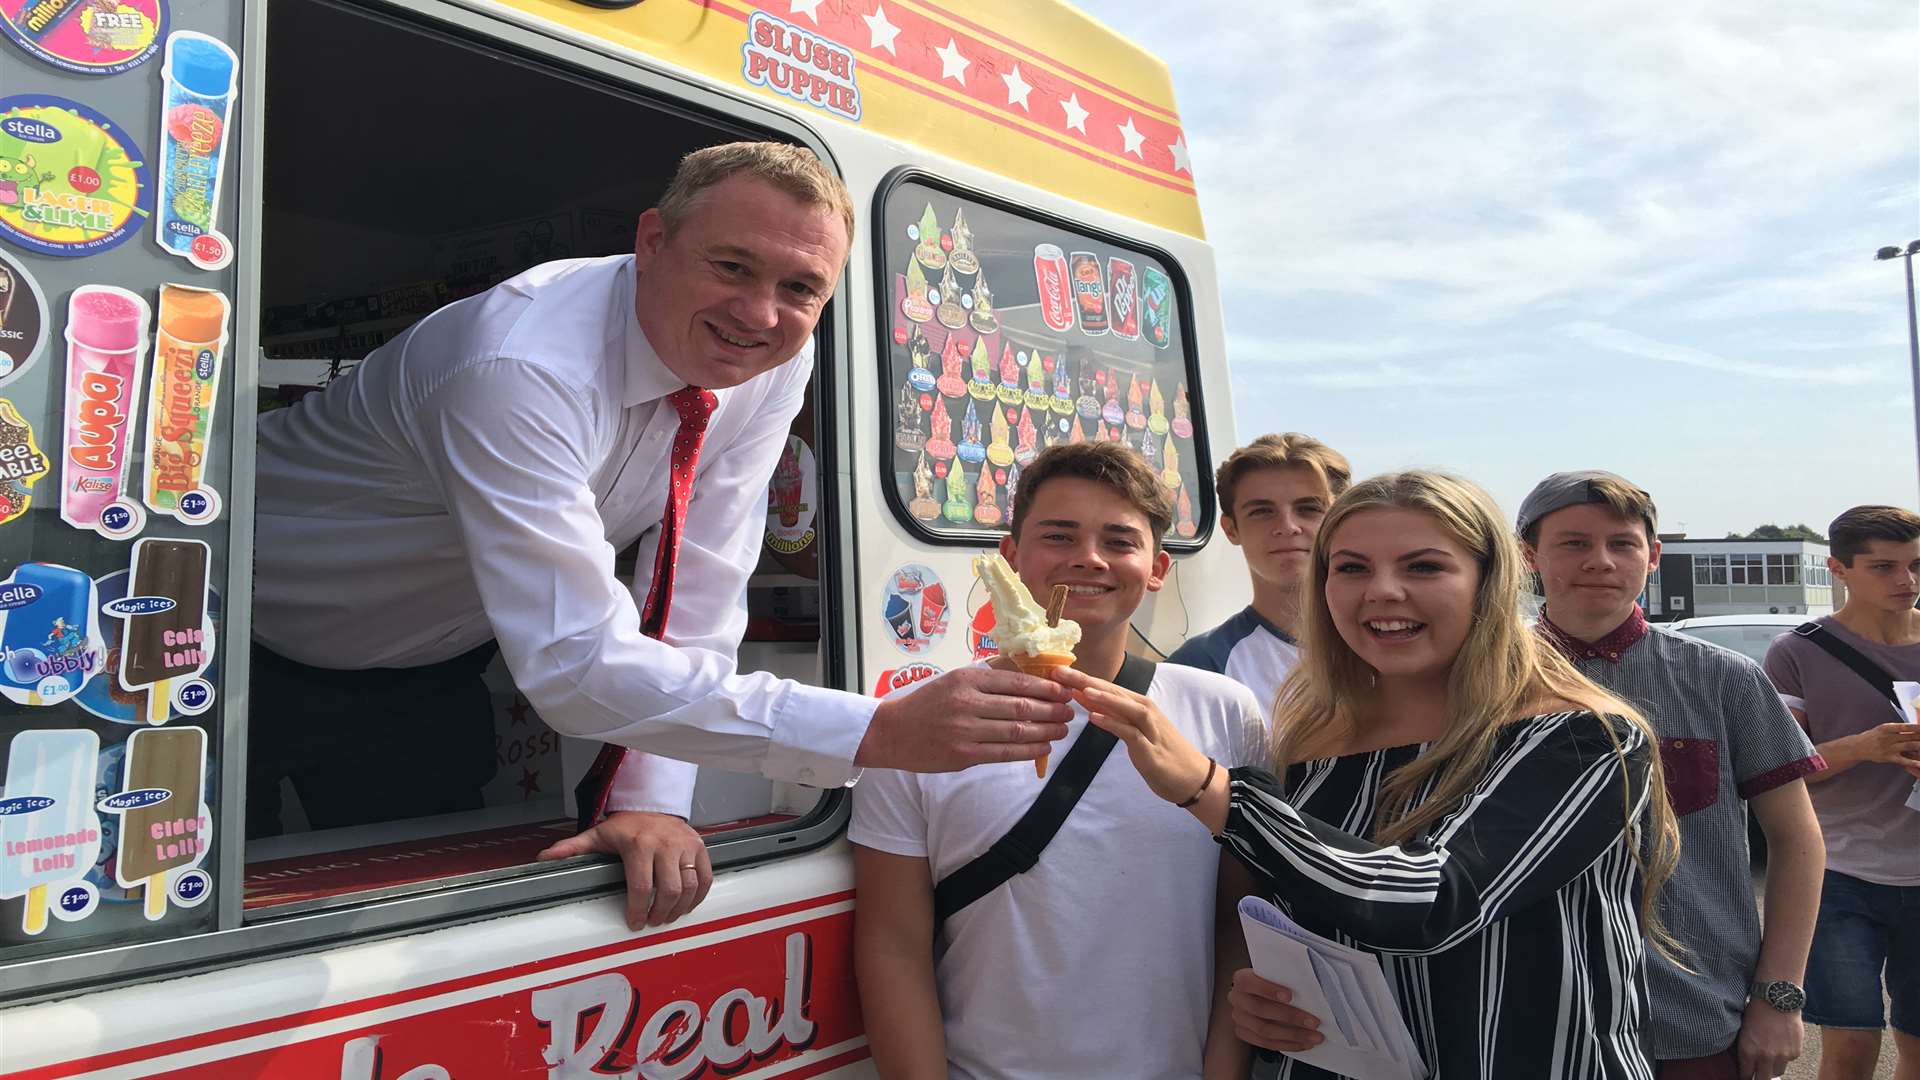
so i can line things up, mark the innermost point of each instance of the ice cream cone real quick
(1041, 664)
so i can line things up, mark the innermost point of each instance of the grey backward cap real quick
(1564, 489)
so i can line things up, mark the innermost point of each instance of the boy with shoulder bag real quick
(1083, 947)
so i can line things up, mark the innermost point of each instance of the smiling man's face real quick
(1087, 536)
(737, 286)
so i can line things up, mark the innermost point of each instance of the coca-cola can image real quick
(1089, 292)
(1056, 297)
(1123, 298)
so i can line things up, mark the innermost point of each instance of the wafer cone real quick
(1041, 664)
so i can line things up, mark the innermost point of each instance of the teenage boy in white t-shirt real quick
(1273, 494)
(1096, 963)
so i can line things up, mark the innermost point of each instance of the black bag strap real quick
(1019, 850)
(1875, 675)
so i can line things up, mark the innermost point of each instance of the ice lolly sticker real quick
(49, 634)
(189, 353)
(165, 828)
(23, 319)
(71, 180)
(49, 829)
(21, 463)
(198, 103)
(167, 635)
(86, 37)
(106, 350)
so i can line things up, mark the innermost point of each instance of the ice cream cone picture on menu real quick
(949, 311)
(1033, 639)
(980, 381)
(950, 382)
(1010, 392)
(962, 258)
(928, 251)
(982, 317)
(1000, 450)
(986, 510)
(916, 306)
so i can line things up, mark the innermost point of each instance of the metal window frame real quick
(883, 330)
(250, 937)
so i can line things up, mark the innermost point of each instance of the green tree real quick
(1777, 532)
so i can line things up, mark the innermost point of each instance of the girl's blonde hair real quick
(1502, 673)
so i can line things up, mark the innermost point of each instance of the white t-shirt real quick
(1247, 649)
(1098, 962)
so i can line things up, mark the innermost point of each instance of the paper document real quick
(1342, 986)
(1909, 695)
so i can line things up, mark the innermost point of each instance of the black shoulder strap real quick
(1019, 850)
(1875, 675)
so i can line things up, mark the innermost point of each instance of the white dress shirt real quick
(472, 480)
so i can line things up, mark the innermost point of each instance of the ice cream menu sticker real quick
(49, 828)
(189, 354)
(199, 75)
(87, 37)
(23, 319)
(792, 499)
(21, 463)
(166, 635)
(71, 180)
(106, 347)
(49, 634)
(166, 829)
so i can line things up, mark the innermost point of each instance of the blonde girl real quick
(1447, 793)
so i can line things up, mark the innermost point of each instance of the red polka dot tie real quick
(695, 407)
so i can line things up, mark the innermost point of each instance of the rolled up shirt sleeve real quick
(505, 443)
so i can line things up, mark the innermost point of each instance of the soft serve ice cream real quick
(1020, 625)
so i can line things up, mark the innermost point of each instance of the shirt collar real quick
(647, 377)
(1610, 648)
(1271, 629)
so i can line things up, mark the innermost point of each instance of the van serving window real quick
(438, 201)
(1006, 333)
(453, 116)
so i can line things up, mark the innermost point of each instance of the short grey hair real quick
(793, 169)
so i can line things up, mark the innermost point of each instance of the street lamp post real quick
(1913, 329)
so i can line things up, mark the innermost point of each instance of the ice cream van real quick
(1030, 268)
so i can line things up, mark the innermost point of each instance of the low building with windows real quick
(1741, 577)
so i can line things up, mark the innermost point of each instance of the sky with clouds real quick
(1507, 238)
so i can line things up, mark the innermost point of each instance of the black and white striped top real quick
(1511, 936)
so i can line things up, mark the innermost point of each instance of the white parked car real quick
(1748, 635)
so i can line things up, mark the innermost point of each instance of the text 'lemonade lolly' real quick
(49, 634)
(198, 75)
(49, 829)
(188, 354)
(172, 832)
(106, 347)
(173, 640)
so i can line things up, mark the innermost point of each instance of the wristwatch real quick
(1782, 995)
